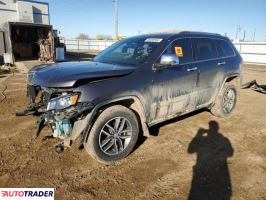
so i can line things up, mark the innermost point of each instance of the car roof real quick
(157, 35)
(183, 33)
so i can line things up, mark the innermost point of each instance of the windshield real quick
(131, 51)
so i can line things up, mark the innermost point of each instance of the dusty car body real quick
(155, 77)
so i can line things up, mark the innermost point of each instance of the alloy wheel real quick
(229, 100)
(115, 136)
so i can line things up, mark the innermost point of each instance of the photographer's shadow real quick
(211, 177)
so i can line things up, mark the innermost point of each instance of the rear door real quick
(226, 54)
(174, 85)
(210, 72)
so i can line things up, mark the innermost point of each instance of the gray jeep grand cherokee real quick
(131, 86)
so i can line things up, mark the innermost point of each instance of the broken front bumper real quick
(67, 123)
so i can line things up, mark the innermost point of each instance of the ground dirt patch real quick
(173, 165)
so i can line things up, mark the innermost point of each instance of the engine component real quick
(59, 148)
(62, 128)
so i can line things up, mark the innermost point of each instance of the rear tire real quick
(225, 103)
(113, 135)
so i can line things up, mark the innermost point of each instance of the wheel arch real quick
(235, 79)
(232, 78)
(131, 102)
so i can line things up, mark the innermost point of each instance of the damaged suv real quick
(132, 85)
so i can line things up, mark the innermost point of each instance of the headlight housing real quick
(62, 102)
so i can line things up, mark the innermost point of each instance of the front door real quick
(174, 87)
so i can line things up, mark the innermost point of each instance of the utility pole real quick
(244, 36)
(238, 29)
(254, 35)
(116, 19)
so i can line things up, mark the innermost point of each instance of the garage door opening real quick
(31, 41)
(2, 47)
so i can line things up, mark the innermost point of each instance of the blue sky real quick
(94, 17)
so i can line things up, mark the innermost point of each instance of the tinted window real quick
(183, 49)
(204, 48)
(132, 51)
(223, 48)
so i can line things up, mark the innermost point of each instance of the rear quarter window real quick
(204, 48)
(224, 49)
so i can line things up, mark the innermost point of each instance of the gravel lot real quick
(177, 163)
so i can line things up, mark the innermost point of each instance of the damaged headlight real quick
(62, 102)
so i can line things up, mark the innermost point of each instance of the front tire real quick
(225, 103)
(113, 135)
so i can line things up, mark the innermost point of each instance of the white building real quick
(22, 23)
(24, 11)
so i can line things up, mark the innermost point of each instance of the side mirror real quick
(169, 60)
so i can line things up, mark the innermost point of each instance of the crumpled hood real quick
(66, 74)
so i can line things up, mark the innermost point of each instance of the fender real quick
(85, 125)
(232, 75)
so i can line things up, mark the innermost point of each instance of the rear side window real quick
(223, 48)
(204, 48)
(183, 49)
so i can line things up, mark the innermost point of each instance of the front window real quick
(133, 51)
(182, 48)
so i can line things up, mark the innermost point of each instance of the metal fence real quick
(251, 52)
(86, 45)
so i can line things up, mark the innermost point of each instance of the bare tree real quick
(104, 37)
(83, 36)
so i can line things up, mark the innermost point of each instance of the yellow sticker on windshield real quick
(179, 51)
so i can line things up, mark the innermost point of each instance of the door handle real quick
(221, 63)
(192, 69)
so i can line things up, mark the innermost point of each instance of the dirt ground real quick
(181, 161)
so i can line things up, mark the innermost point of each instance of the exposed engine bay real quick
(61, 96)
(55, 108)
